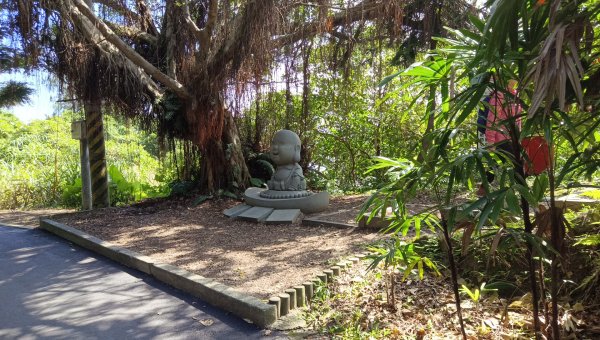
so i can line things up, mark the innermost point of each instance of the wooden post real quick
(98, 171)
(79, 132)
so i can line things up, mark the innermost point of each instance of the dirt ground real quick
(258, 259)
(27, 218)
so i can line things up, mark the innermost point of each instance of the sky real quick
(42, 103)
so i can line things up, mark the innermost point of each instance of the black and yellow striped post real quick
(98, 170)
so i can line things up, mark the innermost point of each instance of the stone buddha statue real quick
(287, 187)
(288, 180)
(285, 153)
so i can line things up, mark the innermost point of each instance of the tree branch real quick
(213, 10)
(192, 25)
(203, 35)
(130, 53)
(119, 8)
(133, 33)
(241, 24)
(146, 18)
(96, 38)
(366, 10)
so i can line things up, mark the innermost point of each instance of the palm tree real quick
(14, 93)
(11, 92)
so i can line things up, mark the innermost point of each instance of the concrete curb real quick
(211, 291)
(304, 293)
(312, 222)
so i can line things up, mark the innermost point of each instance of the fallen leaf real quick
(492, 323)
(578, 307)
(207, 322)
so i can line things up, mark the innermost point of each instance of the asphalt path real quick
(50, 288)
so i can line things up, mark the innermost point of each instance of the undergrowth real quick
(358, 304)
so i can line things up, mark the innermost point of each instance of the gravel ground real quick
(258, 259)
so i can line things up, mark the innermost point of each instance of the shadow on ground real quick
(51, 289)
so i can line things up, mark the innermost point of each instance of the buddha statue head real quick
(285, 148)
(285, 153)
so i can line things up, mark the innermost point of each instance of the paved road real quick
(52, 289)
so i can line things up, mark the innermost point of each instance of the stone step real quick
(281, 216)
(235, 211)
(256, 214)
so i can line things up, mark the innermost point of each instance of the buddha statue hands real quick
(285, 153)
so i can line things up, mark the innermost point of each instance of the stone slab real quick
(573, 202)
(279, 216)
(375, 222)
(313, 222)
(235, 211)
(256, 214)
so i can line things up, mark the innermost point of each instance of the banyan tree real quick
(175, 64)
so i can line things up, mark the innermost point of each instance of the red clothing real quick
(499, 111)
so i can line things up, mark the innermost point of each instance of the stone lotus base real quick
(315, 202)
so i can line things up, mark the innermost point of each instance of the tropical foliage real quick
(39, 163)
(543, 45)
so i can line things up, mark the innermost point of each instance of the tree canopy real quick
(178, 65)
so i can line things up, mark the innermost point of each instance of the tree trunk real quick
(454, 272)
(305, 149)
(222, 164)
(259, 124)
(528, 224)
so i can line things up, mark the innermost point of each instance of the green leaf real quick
(512, 202)
(229, 194)
(540, 185)
(257, 182)
(588, 240)
(525, 193)
(201, 199)
(389, 78)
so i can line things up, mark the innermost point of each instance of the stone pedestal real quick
(308, 204)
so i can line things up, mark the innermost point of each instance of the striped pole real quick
(98, 171)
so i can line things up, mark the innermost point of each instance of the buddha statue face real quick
(285, 148)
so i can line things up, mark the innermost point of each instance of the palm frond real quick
(14, 93)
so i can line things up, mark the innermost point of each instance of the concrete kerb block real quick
(217, 294)
(284, 308)
(292, 293)
(308, 289)
(329, 274)
(276, 301)
(336, 270)
(341, 264)
(300, 296)
(322, 277)
(124, 256)
(134, 260)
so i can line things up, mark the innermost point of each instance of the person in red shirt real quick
(497, 137)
